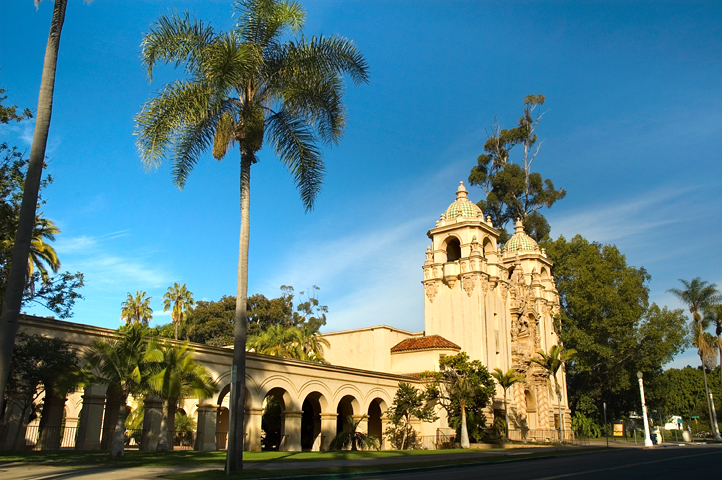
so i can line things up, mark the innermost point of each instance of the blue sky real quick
(632, 133)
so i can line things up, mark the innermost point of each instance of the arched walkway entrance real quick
(311, 422)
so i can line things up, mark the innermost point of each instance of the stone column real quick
(110, 419)
(292, 422)
(91, 418)
(15, 425)
(51, 422)
(206, 434)
(328, 429)
(253, 429)
(385, 444)
(153, 411)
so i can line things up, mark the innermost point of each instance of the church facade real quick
(494, 302)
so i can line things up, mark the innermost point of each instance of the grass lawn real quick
(216, 460)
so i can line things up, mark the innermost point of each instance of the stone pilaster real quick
(206, 433)
(253, 429)
(292, 422)
(51, 422)
(91, 418)
(328, 429)
(153, 411)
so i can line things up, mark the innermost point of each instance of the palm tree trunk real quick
(506, 415)
(464, 430)
(117, 446)
(234, 456)
(561, 418)
(12, 300)
(706, 394)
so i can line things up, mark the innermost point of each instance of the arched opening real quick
(344, 411)
(453, 250)
(531, 418)
(272, 421)
(311, 422)
(376, 410)
(487, 247)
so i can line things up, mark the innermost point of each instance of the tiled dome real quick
(462, 206)
(520, 240)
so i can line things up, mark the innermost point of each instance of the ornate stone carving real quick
(450, 281)
(464, 265)
(469, 282)
(503, 290)
(429, 255)
(484, 284)
(431, 288)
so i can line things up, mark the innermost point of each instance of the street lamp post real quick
(647, 437)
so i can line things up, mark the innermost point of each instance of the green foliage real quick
(136, 309)
(584, 426)
(353, 439)
(506, 380)
(462, 387)
(606, 318)
(408, 403)
(57, 293)
(512, 189)
(9, 114)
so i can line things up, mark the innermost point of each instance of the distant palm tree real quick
(552, 362)
(700, 296)
(118, 362)
(311, 342)
(506, 380)
(179, 299)
(42, 254)
(241, 87)
(136, 309)
(277, 340)
(176, 376)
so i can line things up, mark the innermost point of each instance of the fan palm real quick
(241, 87)
(353, 439)
(506, 380)
(700, 296)
(178, 299)
(118, 362)
(136, 309)
(176, 376)
(552, 362)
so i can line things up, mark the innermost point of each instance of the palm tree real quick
(352, 438)
(552, 362)
(279, 341)
(241, 87)
(13, 295)
(179, 299)
(716, 315)
(118, 362)
(177, 376)
(136, 309)
(311, 342)
(700, 296)
(506, 380)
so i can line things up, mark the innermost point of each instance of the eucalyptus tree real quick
(242, 87)
(13, 295)
(506, 380)
(175, 375)
(136, 309)
(552, 362)
(700, 297)
(178, 299)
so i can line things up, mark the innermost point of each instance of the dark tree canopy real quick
(605, 316)
(512, 189)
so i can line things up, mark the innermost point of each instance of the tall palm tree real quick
(136, 309)
(179, 299)
(13, 296)
(241, 87)
(552, 362)
(700, 296)
(506, 380)
(716, 315)
(177, 376)
(118, 362)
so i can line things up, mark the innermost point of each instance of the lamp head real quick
(639, 375)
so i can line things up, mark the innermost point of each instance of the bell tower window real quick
(453, 250)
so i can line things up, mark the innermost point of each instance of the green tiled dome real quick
(520, 240)
(463, 205)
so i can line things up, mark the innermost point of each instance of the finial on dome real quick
(461, 191)
(519, 227)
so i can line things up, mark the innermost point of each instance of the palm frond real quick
(330, 55)
(294, 144)
(178, 39)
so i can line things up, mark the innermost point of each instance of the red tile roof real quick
(424, 343)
